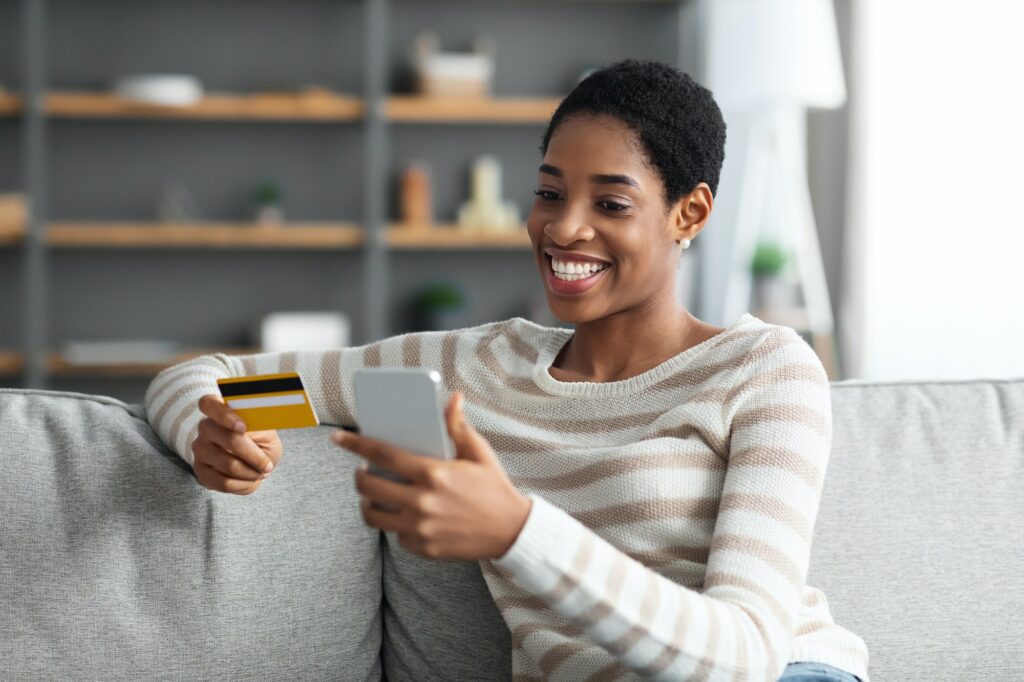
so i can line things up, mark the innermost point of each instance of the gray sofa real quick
(116, 564)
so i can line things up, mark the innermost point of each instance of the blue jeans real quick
(811, 671)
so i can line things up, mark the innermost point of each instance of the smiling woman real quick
(641, 490)
(586, 212)
(632, 159)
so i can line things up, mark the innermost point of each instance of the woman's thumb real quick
(463, 435)
(454, 416)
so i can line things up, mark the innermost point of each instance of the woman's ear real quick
(691, 212)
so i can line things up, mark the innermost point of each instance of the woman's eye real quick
(613, 206)
(546, 195)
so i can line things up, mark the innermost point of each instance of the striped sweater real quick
(673, 511)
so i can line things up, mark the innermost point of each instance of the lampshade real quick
(763, 53)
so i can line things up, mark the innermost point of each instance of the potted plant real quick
(269, 211)
(437, 306)
(772, 290)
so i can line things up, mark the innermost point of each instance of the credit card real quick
(269, 401)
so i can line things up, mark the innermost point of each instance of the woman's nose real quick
(568, 227)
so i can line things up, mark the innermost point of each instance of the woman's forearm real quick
(172, 399)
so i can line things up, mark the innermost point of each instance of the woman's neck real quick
(624, 345)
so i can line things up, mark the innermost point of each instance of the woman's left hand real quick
(464, 508)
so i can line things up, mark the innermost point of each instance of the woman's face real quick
(597, 198)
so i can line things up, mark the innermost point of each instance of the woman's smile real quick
(573, 277)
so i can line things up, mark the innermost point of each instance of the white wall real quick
(717, 236)
(935, 231)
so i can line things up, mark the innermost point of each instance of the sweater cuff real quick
(547, 533)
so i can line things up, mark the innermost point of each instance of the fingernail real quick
(338, 437)
(269, 467)
(239, 426)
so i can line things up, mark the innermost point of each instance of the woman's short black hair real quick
(675, 118)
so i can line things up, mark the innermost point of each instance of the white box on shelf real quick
(303, 331)
(172, 90)
(119, 351)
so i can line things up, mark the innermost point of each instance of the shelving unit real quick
(451, 236)
(11, 235)
(286, 106)
(10, 363)
(207, 235)
(59, 366)
(260, 106)
(289, 106)
(470, 110)
(361, 118)
(10, 104)
(311, 236)
(293, 236)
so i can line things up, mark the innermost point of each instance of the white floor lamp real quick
(771, 60)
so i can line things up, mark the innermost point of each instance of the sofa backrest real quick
(918, 544)
(116, 564)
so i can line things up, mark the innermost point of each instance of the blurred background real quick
(189, 176)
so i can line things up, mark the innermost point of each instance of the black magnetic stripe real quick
(265, 386)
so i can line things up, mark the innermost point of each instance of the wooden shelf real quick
(58, 366)
(13, 214)
(11, 234)
(260, 106)
(205, 235)
(10, 363)
(295, 106)
(420, 109)
(10, 104)
(304, 236)
(451, 237)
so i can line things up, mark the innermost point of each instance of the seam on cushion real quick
(867, 383)
(134, 410)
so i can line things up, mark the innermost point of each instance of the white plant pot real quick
(775, 293)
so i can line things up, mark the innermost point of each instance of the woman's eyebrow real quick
(601, 179)
(614, 180)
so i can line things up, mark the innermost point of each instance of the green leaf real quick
(268, 192)
(440, 295)
(769, 259)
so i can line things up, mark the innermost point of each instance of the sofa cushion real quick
(918, 544)
(440, 622)
(116, 563)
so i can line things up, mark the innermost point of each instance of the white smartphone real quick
(402, 406)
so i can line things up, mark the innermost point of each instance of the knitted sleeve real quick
(172, 399)
(741, 624)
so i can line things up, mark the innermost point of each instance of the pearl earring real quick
(685, 243)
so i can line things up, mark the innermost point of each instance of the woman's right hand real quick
(226, 457)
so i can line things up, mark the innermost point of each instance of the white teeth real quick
(576, 268)
(572, 271)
